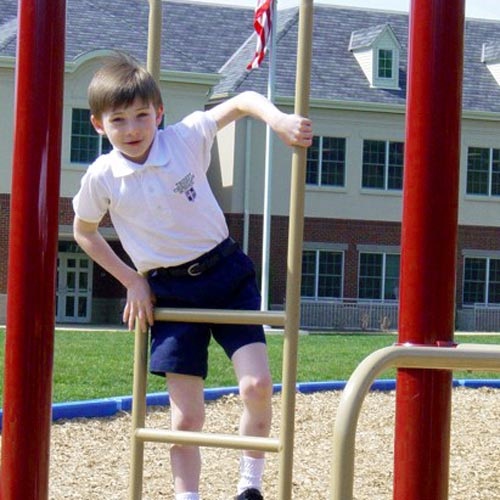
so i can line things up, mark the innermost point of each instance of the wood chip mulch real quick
(90, 457)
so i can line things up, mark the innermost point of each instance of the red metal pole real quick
(33, 250)
(429, 237)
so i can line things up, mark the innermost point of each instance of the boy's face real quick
(130, 128)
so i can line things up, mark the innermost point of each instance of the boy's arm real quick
(139, 297)
(293, 130)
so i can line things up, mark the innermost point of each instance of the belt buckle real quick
(191, 270)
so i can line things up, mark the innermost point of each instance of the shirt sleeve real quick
(92, 200)
(199, 130)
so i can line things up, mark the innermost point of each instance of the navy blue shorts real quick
(183, 347)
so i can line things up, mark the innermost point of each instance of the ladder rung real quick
(208, 439)
(235, 317)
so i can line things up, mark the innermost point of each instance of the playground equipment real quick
(33, 250)
(428, 243)
(465, 357)
(290, 319)
(428, 240)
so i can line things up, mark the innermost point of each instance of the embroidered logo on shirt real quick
(186, 186)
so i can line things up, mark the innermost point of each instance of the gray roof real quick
(366, 37)
(195, 38)
(209, 38)
(335, 73)
(8, 27)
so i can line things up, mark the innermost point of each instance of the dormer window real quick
(385, 63)
(377, 51)
(491, 57)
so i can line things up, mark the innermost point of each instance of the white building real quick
(355, 167)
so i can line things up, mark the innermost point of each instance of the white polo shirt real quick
(164, 211)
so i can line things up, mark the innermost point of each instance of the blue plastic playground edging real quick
(108, 407)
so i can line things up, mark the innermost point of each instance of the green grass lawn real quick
(97, 364)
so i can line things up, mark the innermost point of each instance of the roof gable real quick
(8, 32)
(368, 37)
(490, 56)
(377, 51)
(491, 52)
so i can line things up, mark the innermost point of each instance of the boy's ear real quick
(97, 124)
(159, 115)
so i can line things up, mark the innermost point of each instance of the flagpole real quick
(266, 214)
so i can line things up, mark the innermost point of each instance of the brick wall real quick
(104, 285)
(347, 232)
(66, 214)
(474, 238)
(350, 233)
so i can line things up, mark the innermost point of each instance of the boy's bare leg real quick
(188, 414)
(254, 378)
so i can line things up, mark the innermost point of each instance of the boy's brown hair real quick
(119, 82)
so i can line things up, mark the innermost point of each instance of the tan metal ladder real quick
(290, 319)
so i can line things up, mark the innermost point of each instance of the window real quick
(385, 61)
(321, 274)
(382, 165)
(481, 280)
(483, 171)
(86, 143)
(378, 276)
(326, 161)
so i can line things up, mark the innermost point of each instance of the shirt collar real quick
(159, 156)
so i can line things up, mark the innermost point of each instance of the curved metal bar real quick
(465, 357)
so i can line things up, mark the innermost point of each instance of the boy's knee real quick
(188, 422)
(256, 389)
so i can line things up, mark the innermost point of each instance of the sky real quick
(486, 9)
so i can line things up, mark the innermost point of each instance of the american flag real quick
(262, 24)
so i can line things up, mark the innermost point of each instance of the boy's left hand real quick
(294, 130)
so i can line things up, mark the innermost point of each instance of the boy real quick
(154, 185)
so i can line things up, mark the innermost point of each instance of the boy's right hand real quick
(140, 299)
(140, 304)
